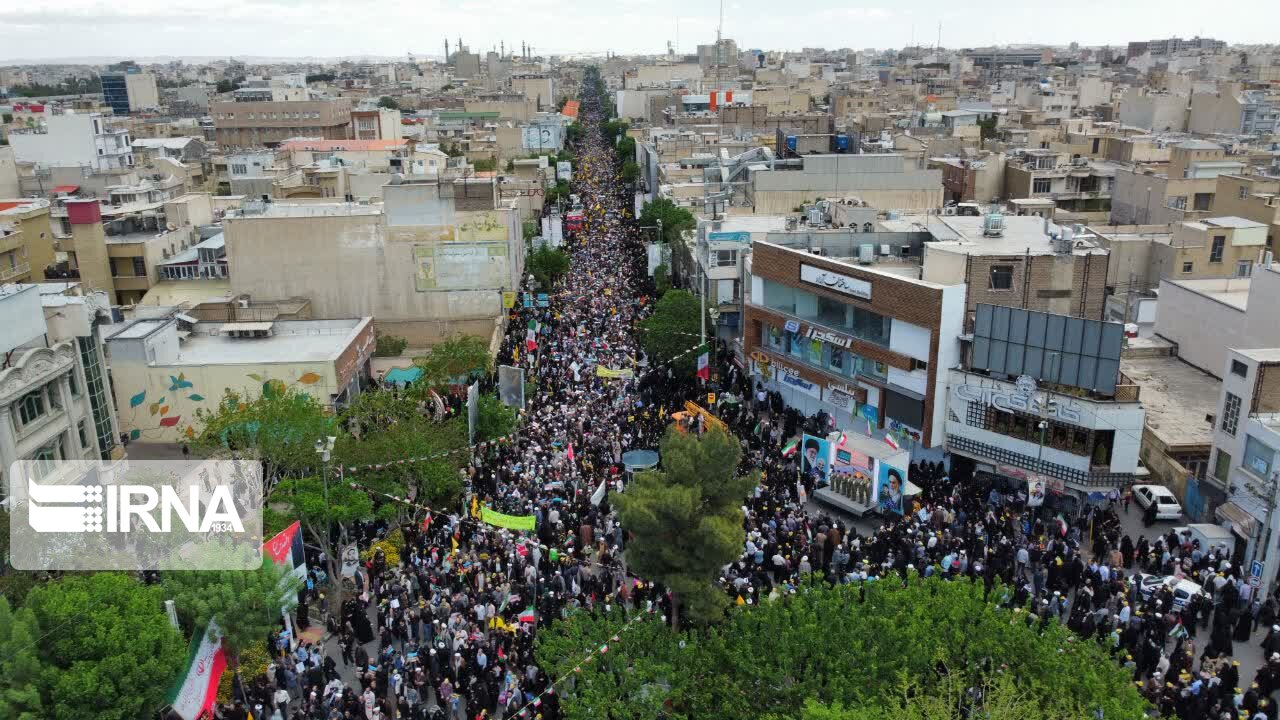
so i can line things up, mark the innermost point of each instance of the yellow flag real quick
(473, 507)
(455, 546)
(740, 601)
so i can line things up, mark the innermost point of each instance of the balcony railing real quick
(1005, 456)
(13, 271)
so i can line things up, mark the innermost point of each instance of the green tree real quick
(883, 649)
(486, 164)
(686, 520)
(530, 229)
(390, 345)
(511, 165)
(388, 102)
(323, 506)
(279, 428)
(627, 148)
(673, 329)
(560, 191)
(630, 171)
(675, 219)
(105, 649)
(547, 265)
(20, 666)
(662, 279)
(494, 419)
(987, 128)
(573, 132)
(246, 605)
(455, 360)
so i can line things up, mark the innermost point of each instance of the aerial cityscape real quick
(566, 361)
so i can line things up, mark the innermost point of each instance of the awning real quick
(1240, 521)
(65, 189)
(186, 318)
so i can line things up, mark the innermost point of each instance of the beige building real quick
(432, 261)
(143, 94)
(1256, 197)
(257, 123)
(26, 240)
(164, 370)
(1074, 184)
(1022, 267)
(882, 181)
(1184, 190)
(9, 186)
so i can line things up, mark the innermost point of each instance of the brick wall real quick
(1074, 285)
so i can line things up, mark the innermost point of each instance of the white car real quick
(1167, 507)
(1183, 589)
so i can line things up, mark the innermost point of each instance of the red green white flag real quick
(197, 690)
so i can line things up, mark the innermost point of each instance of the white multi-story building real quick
(68, 140)
(54, 400)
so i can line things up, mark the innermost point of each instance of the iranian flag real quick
(196, 691)
(790, 448)
(704, 367)
(527, 616)
(891, 442)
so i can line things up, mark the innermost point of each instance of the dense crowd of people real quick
(447, 632)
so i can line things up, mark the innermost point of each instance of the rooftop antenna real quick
(446, 50)
(502, 49)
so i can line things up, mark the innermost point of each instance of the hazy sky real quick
(140, 28)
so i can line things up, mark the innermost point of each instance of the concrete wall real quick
(68, 142)
(352, 266)
(1213, 113)
(8, 173)
(1202, 327)
(883, 181)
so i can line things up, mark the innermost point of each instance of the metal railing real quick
(14, 271)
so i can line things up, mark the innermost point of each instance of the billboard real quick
(1055, 348)
(511, 386)
(891, 484)
(461, 266)
(564, 171)
(852, 473)
(815, 458)
(483, 225)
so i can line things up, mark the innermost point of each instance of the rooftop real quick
(1231, 221)
(1262, 355)
(290, 341)
(1228, 291)
(343, 145)
(1022, 234)
(282, 210)
(1176, 396)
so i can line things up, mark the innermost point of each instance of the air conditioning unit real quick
(885, 250)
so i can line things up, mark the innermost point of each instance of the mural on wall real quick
(157, 419)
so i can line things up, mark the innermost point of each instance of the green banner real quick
(510, 522)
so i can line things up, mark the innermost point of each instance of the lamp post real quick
(324, 448)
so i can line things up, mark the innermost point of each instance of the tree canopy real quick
(246, 605)
(548, 265)
(675, 219)
(278, 428)
(686, 519)
(455, 360)
(386, 101)
(673, 329)
(87, 647)
(886, 649)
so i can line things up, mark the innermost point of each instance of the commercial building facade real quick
(858, 343)
(251, 124)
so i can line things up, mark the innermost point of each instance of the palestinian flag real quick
(196, 691)
(528, 615)
(286, 549)
(791, 448)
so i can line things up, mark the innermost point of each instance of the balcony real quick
(13, 271)
(1093, 479)
(131, 282)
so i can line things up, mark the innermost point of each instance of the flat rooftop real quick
(281, 210)
(1228, 291)
(290, 341)
(1022, 234)
(1176, 396)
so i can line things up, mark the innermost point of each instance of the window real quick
(239, 169)
(1244, 192)
(1187, 267)
(46, 458)
(71, 383)
(1222, 465)
(726, 258)
(1219, 244)
(1231, 415)
(1239, 368)
(1096, 143)
(1041, 185)
(1258, 456)
(31, 406)
(1001, 277)
(1202, 201)
(919, 364)
(83, 433)
(1244, 268)
(139, 267)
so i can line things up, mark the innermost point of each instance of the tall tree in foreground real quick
(673, 329)
(87, 647)
(687, 520)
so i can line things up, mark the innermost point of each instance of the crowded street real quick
(448, 632)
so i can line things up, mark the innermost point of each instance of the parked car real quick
(1167, 507)
(1183, 589)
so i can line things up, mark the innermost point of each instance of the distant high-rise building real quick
(130, 91)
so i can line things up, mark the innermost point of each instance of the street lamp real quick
(324, 448)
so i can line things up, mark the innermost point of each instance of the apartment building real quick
(256, 123)
(1247, 112)
(1074, 184)
(26, 240)
(1205, 318)
(1183, 189)
(376, 124)
(1255, 197)
(9, 184)
(857, 341)
(54, 401)
(972, 180)
(1023, 262)
(431, 261)
(880, 180)
(130, 91)
(77, 141)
